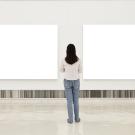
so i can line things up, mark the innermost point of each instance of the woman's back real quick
(71, 71)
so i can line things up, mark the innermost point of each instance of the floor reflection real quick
(96, 119)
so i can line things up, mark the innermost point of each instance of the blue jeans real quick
(72, 95)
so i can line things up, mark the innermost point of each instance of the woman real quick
(71, 67)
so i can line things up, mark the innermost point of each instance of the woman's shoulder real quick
(64, 61)
(79, 60)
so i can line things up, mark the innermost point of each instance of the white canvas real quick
(108, 52)
(28, 52)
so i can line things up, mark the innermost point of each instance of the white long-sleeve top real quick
(71, 72)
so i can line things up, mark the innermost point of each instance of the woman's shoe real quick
(69, 121)
(77, 120)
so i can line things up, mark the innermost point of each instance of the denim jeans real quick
(72, 95)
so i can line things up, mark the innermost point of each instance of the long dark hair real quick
(71, 57)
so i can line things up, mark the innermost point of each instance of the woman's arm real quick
(80, 67)
(62, 66)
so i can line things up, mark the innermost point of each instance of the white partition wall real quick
(108, 51)
(28, 52)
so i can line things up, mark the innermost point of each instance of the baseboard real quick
(61, 94)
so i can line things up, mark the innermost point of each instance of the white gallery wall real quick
(70, 17)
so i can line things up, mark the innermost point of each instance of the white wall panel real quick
(28, 52)
(109, 51)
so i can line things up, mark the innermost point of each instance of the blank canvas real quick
(109, 52)
(28, 52)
